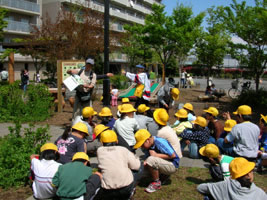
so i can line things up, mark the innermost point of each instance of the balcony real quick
(21, 5)
(18, 27)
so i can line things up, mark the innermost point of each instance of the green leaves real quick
(35, 105)
(15, 151)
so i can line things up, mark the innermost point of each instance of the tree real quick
(3, 23)
(249, 24)
(211, 47)
(134, 46)
(76, 33)
(171, 36)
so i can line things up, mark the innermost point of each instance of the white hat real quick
(90, 61)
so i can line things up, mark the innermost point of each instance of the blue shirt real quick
(111, 123)
(161, 145)
(263, 141)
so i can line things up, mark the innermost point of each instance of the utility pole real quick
(106, 87)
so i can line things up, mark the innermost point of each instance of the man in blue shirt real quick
(162, 157)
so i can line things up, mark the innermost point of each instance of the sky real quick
(200, 5)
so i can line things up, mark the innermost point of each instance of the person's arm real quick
(133, 162)
(102, 76)
(161, 94)
(55, 180)
(72, 71)
(131, 76)
(161, 155)
(229, 138)
(203, 189)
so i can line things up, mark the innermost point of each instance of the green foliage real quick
(249, 24)
(211, 47)
(3, 23)
(255, 99)
(34, 105)
(119, 81)
(15, 151)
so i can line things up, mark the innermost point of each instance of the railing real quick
(20, 4)
(18, 26)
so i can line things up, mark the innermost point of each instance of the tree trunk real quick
(257, 81)
(163, 73)
(208, 76)
(11, 76)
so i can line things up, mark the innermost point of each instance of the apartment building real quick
(22, 14)
(121, 12)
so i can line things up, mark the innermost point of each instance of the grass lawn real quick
(182, 187)
(184, 183)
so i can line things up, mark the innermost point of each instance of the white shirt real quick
(126, 128)
(114, 92)
(44, 171)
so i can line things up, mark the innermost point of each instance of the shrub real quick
(35, 105)
(252, 98)
(119, 81)
(15, 151)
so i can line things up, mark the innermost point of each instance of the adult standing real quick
(84, 91)
(4, 75)
(244, 136)
(142, 91)
(24, 79)
(167, 94)
(183, 78)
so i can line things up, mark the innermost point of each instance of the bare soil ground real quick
(186, 95)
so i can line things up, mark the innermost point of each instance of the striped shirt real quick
(224, 163)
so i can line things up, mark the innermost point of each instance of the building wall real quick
(21, 15)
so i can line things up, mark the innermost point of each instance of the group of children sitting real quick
(63, 169)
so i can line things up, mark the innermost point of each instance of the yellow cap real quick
(210, 151)
(49, 146)
(88, 112)
(213, 111)
(229, 124)
(142, 108)
(240, 167)
(175, 93)
(188, 106)
(105, 112)
(201, 121)
(264, 118)
(141, 136)
(243, 110)
(161, 116)
(125, 100)
(80, 127)
(182, 113)
(108, 136)
(80, 155)
(99, 129)
(126, 108)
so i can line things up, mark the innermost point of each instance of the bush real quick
(15, 151)
(119, 81)
(35, 105)
(252, 98)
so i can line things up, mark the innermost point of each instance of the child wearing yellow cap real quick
(71, 178)
(262, 160)
(126, 126)
(43, 170)
(219, 168)
(71, 142)
(239, 186)
(244, 136)
(196, 137)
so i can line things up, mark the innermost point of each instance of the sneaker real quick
(153, 187)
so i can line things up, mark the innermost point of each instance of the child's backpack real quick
(169, 134)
